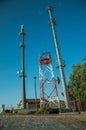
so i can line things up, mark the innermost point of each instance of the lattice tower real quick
(48, 89)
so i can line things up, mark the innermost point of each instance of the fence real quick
(9, 107)
(75, 105)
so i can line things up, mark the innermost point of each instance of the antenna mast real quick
(22, 73)
(60, 64)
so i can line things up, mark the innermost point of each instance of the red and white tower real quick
(48, 89)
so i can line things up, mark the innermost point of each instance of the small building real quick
(35, 103)
(31, 103)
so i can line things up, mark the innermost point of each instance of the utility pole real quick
(22, 73)
(60, 64)
(35, 92)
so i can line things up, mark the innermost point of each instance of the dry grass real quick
(69, 121)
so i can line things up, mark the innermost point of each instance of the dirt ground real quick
(70, 121)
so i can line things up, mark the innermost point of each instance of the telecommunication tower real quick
(48, 89)
(22, 72)
(60, 64)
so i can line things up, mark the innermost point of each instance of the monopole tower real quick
(60, 64)
(22, 72)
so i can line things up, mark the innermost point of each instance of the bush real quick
(8, 111)
(47, 110)
(31, 112)
(55, 111)
(65, 110)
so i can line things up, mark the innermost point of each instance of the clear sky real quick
(70, 16)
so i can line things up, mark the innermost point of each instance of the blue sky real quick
(70, 16)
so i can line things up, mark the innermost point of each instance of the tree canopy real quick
(77, 81)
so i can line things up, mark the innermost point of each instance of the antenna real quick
(60, 64)
(22, 72)
(48, 88)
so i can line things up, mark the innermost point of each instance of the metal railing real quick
(9, 107)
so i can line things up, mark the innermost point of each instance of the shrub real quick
(8, 111)
(65, 110)
(31, 112)
(47, 110)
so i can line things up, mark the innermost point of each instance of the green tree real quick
(77, 81)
